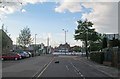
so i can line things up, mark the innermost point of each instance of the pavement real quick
(110, 71)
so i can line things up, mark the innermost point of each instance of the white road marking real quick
(45, 68)
(67, 56)
(96, 68)
(76, 70)
(67, 67)
(81, 75)
(38, 71)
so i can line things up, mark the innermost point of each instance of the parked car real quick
(9, 56)
(26, 54)
(23, 54)
(30, 54)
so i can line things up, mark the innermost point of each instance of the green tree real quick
(76, 48)
(86, 33)
(24, 38)
(104, 42)
(95, 46)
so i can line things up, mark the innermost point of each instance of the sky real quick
(47, 18)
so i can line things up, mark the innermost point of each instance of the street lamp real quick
(48, 45)
(65, 38)
(65, 34)
(35, 43)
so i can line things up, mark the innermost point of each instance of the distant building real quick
(39, 48)
(17, 47)
(63, 48)
(112, 40)
(75, 49)
(111, 36)
(5, 42)
(55, 49)
(49, 49)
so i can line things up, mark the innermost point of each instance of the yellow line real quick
(45, 67)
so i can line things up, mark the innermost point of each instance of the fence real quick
(110, 56)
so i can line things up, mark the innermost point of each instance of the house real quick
(64, 47)
(17, 47)
(39, 48)
(6, 43)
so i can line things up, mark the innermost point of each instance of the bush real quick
(97, 57)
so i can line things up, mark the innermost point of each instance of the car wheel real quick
(20, 57)
(2, 59)
(16, 58)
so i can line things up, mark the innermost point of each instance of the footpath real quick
(110, 71)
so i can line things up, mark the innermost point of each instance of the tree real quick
(76, 48)
(86, 33)
(24, 38)
(95, 46)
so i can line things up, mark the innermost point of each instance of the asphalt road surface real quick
(69, 66)
(24, 68)
(45, 66)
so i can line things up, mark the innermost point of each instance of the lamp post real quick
(65, 34)
(35, 44)
(65, 38)
(48, 45)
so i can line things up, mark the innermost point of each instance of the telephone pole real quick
(65, 38)
(35, 44)
(48, 45)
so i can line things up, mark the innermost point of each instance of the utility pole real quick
(35, 44)
(16, 43)
(65, 38)
(48, 45)
(65, 34)
(48, 41)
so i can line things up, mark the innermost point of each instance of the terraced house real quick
(5, 42)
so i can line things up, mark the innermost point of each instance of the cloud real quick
(104, 13)
(74, 5)
(104, 16)
(68, 5)
(11, 6)
(33, 1)
(103, 0)
(23, 10)
(8, 8)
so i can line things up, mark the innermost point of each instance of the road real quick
(45, 66)
(70, 66)
(24, 68)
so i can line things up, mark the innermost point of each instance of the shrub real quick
(97, 57)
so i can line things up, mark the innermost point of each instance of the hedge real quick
(97, 57)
